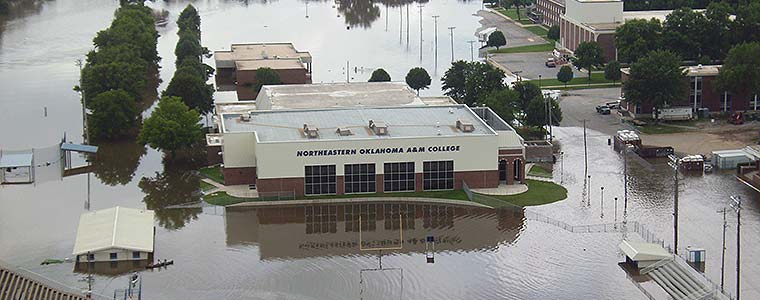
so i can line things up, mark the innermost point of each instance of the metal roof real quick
(639, 251)
(323, 95)
(402, 121)
(115, 228)
(79, 148)
(16, 160)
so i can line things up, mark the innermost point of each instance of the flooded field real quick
(313, 252)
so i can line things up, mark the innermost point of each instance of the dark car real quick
(604, 110)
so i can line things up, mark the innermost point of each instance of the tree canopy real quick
(418, 79)
(466, 82)
(192, 90)
(741, 71)
(637, 37)
(565, 74)
(657, 80)
(379, 75)
(612, 71)
(537, 112)
(266, 76)
(504, 102)
(496, 39)
(553, 33)
(171, 126)
(114, 114)
(587, 56)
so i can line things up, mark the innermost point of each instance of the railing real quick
(49, 283)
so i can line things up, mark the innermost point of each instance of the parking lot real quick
(515, 35)
(529, 65)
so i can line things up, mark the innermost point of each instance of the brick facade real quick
(571, 35)
(235, 176)
(551, 10)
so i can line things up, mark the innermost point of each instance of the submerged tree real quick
(379, 75)
(657, 80)
(171, 126)
(418, 79)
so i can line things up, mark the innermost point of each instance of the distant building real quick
(115, 234)
(548, 12)
(702, 95)
(236, 68)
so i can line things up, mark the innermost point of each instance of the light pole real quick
(539, 81)
(589, 190)
(723, 249)
(625, 178)
(421, 6)
(737, 206)
(451, 30)
(307, 14)
(435, 21)
(601, 216)
(561, 167)
(674, 163)
(615, 212)
(472, 56)
(85, 130)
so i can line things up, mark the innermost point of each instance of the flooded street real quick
(313, 251)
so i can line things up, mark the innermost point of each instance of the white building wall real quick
(280, 160)
(121, 255)
(594, 11)
(239, 150)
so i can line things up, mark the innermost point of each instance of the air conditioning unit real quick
(343, 131)
(378, 127)
(310, 131)
(245, 117)
(465, 126)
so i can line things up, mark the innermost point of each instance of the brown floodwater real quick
(314, 251)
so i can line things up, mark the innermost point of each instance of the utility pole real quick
(561, 167)
(421, 6)
(347, 81)
(625, 179)
(435, 20)
(674, 163)
(407, 26)
(472, 56)
(615, 212)
(585, 150)
(601, 216)
(401, 24)
(85, 129)
(451, 29)
(737, 206)
(723, 249)
(589, 190)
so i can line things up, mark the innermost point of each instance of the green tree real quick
(716, 36)
(565, 74)
(171, 126)
(467, 82)
(496, 39)
(612, 71)
(537, 112)
(114, 113)
(189, 20)
(527, 91)
(637, 37)
(187, 47)
(553, 33)
(266, 76)
(100, 78)
(681, 33)
(379, 75)
(418, 79)
(504, 102)
(516, 4)
(747, 22)
(657, 80)
(740, 73)
(587, 56)
(192, 90)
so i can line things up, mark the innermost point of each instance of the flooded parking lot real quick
(313, 251)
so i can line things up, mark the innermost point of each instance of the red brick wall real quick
(246, 79)
(477, 179)
(212, 155)
(234, 176)
(607, 42)
(295, 185)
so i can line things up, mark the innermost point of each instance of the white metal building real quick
(370, 149)
(115, 234)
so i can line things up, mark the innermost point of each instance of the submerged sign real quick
(374, 151)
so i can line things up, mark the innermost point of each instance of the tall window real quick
(320, 180)
(438, 175)
(399, 176)
(359, 178)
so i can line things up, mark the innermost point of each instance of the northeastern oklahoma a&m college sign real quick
(375, 151)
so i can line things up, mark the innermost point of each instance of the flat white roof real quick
(115, 228)
(640, 251)
(303, 96)
(16, 160)
(402, 122)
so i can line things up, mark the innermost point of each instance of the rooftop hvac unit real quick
(378, 127)
(343, 131)
(245, 117)
(465, 126)
(311, 131)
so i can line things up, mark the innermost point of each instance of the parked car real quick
(613, 104)
(604, 110)
(550, 62)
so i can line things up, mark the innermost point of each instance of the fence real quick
(47, 162)
(29, 275)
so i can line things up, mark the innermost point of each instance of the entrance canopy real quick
(16, 160)
(639, 251)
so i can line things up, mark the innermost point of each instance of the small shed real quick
(730, 159)
(17, 167)
(115, 234)
(483, 34)
(642, 254)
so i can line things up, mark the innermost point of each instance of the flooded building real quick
(703, 95)
(355, 150)
(115, 234)
(236, 68)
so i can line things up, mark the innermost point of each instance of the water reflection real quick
(116, 162)
(359, 12)
(111, 268)
(333, 229)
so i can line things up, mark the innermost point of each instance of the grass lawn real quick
(223, 199)
(595, 78)
(538, 171)
(512, 14)
(214, 173)
(206, 186)
(538, 30)
(548, 47)
(539, 193)
(585, 87)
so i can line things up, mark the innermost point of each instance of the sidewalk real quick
(240, 191)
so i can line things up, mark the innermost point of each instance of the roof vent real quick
(310, 131)
(245, 117)
(465, 126)
(343, 131)
(451, 110)
(378, 127)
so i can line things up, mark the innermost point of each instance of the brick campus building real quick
(236, 68)
(428, 144)
(702, 94)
